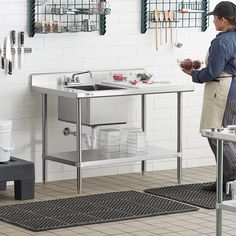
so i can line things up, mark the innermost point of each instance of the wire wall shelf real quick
(59, 16)
(174, 14)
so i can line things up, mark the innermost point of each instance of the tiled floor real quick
(196, 223)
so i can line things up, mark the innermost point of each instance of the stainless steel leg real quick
(179, 135)
(78, 145)
(179, 169)
(219, 185)
(44, 136)
(143, 167)
(79, 179)
(143, 124)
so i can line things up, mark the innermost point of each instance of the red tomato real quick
(133, 82)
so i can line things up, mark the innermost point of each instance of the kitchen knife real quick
(2, 56)
(15, 55)
(22, 53)
(8, 55)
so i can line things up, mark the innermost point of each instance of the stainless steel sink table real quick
(48, 84)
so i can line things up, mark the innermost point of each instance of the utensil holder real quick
(196, 17)
(69, 16)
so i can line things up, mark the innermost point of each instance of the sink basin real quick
(95, 87)
(95, 111)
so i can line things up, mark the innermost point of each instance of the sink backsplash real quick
(58, 78)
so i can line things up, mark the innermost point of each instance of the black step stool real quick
(22, 172)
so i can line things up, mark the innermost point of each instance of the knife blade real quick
(8, 55)
(22, 53)
(2, 56)
(15, 56)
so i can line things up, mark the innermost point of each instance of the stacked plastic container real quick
(124, 137)
(114, 143)
(136, 143)
(109, 142)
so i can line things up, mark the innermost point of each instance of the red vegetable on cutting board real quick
(133, 81)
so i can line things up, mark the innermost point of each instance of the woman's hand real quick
(189, 72)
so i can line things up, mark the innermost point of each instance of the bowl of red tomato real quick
(119, 77)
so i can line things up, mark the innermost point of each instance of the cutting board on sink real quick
(138, 85)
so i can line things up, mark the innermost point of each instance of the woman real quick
(219, 77)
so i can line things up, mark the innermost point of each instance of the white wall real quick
(123, 46)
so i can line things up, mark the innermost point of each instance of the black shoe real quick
(212, 187)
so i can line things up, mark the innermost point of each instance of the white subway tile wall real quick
(123, 46)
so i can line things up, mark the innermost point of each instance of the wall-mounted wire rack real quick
(186, 14)
(59, 16)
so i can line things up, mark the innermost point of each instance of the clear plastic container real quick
(136, 143)
(124, 137)
(109, 142)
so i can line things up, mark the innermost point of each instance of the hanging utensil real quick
(171, 18)
(177, 44)
(161, 19)
(166, 18)
(15, 55)
(22, 53)
(186, 10)
(156, 18)
(2, 56)
(8, 56)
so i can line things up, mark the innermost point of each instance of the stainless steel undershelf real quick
(228, 205)
(95, 158)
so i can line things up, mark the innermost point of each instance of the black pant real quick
(229, 148)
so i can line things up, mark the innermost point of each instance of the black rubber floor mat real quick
(193, 194)
(91, 209)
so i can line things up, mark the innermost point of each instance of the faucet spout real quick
(74, 80)
(83, 72)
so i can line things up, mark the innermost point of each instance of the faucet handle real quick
(67, 80)
(75, 79)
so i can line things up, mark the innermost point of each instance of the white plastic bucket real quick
(6, 144)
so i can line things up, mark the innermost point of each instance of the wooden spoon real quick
(166, 18)
(156, 18)
(161, 19)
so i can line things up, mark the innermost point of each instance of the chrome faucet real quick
(80, 73)
(74, 80)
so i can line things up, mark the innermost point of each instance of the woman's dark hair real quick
(231, 20)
